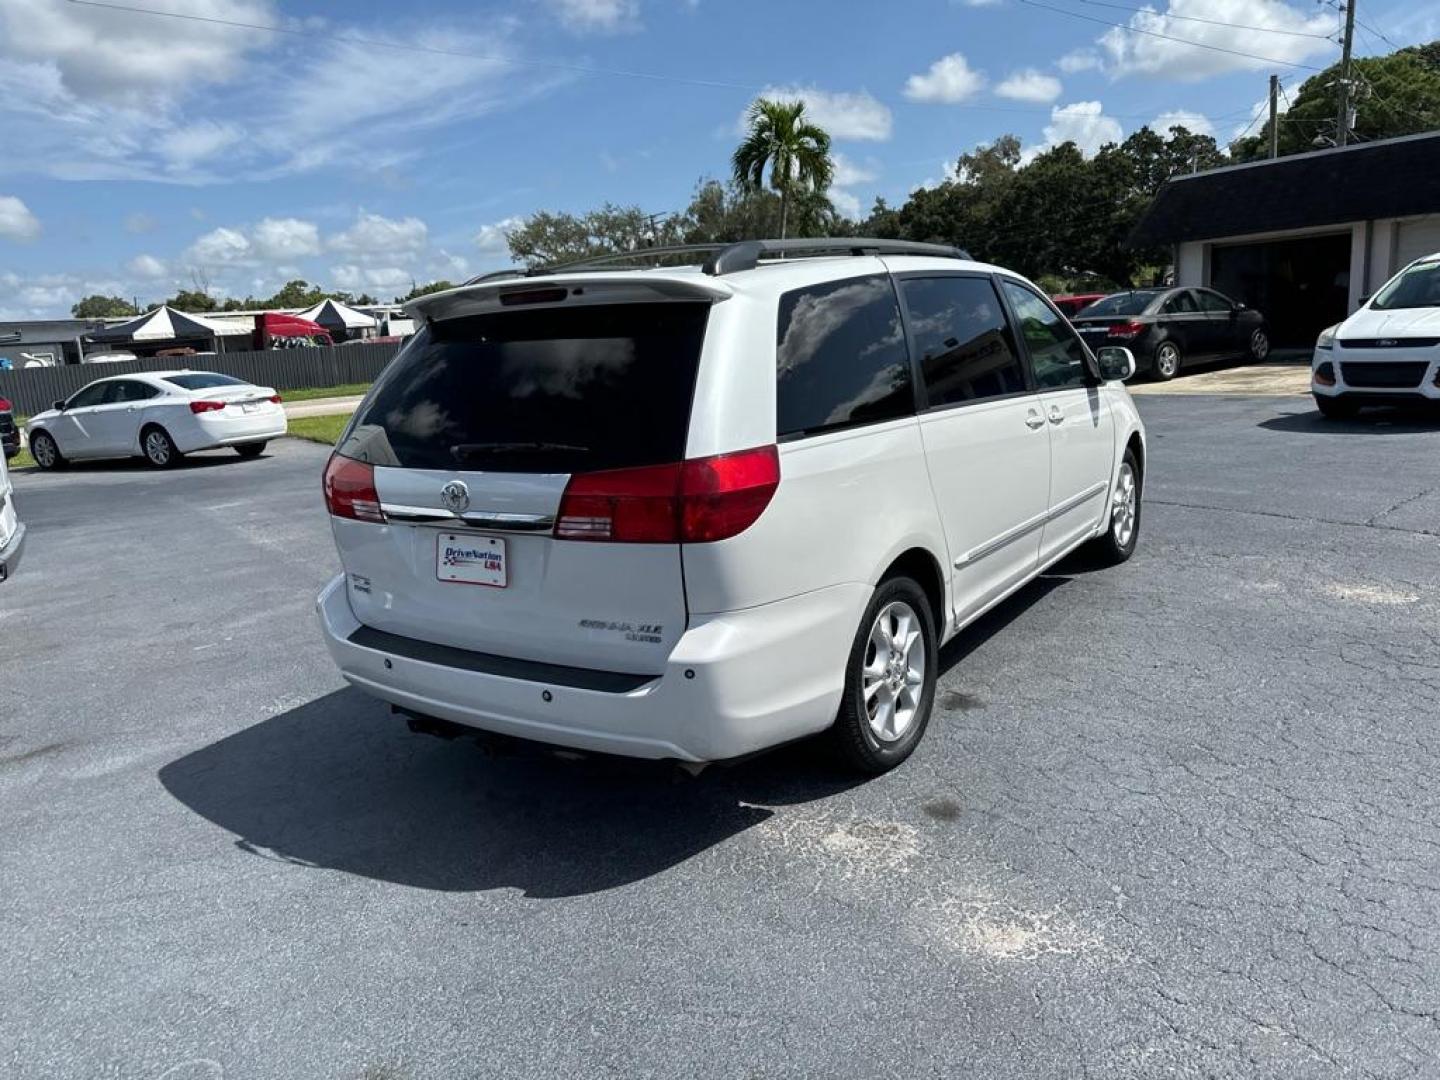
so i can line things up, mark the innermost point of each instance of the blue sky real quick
(143, 152)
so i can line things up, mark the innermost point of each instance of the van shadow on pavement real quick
(341, 783)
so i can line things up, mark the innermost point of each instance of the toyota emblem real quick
(456, 496)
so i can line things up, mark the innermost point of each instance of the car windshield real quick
(1417, 287)
(202, 380)
(1125, 303)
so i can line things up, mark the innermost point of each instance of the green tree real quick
(1398, 94)
(192, 301)
(416, 292)
(546, 238)
(298, 293)
(103, 307)
(794, 151)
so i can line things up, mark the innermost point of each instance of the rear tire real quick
(889, 679)
(1336, 408)
(1122, 533)
(1166, 364)
(251, 449)
(45, 452)
(158, 448)
(1259, 346)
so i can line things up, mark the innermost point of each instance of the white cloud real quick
(1259, 113)
(285, 238)
(1083, 123)
(127, 59)
(1163, 57)
(950, 80)
(449, 267)
(1079, 60)
(392, 279)
(846, 202)
(856, 116)
(190, 144)
(220, 246)
(491, 239)
(375, 236)
(1030, 85)
(602, 16)
(1196, 123)
(146, 266)
(16, 220)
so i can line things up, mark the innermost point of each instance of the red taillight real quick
(692, 502)
(5, 405)
(350, 490)
(1126, 331)
(274, 399)
(198, 407)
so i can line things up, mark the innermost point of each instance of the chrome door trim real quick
(1009, 536)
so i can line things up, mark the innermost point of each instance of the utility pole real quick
(1274, 116)
(1342, 125)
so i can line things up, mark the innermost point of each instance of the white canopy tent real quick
(165, 324)
(334, 316)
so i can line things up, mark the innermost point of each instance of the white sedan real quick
(157, 415)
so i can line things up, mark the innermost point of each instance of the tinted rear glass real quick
(841, 358)
(1125, 303)
(203, 380)
(545, 390)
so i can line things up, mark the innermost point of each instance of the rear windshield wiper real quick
(462, 451)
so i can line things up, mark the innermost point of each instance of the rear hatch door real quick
(474, 431)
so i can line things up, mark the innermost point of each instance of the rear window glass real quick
(1125, 303)
(203, 380)
(841, 357)
(545, 390)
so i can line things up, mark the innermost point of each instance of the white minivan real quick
(12, 529)
(693, 511)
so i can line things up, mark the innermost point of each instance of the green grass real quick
(22, 460)
(321, 429)
(348, 390)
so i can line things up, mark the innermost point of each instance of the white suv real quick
(694, 511)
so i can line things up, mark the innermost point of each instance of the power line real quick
(1168, 37)
(580, 69)
(1378, 34)
(1210, 22)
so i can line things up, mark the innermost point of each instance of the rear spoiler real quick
(621, 287)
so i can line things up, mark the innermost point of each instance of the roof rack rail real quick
(746, 255)
(730, 258)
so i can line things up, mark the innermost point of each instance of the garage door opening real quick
(1300, 286)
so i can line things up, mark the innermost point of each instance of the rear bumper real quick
(11, 552)
(207, 433)
(734, 683)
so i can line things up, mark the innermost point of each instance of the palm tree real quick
(796, 151)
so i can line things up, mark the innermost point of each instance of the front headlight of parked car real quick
(1326, 340)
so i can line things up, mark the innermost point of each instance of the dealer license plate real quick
(467, 559)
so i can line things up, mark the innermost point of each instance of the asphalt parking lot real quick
(1177, 818)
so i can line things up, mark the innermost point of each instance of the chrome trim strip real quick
(434, 515)
(1026, 527)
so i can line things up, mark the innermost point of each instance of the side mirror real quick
(1116, 363)
(59, 406)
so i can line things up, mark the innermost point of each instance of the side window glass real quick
(1056, 354)
(1213, 303)
(90, 395)
(1179, 304)
(965, 346)
(841, 358)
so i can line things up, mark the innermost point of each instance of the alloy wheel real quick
(1122, 515)
(157, 448)
(1167, 361)
(43, 451)
(1259, 345)
(893, 678)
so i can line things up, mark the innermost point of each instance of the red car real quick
(1071, 303)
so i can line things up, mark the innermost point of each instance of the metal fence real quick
(35, 389)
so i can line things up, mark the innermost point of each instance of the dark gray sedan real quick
(1169, 328)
